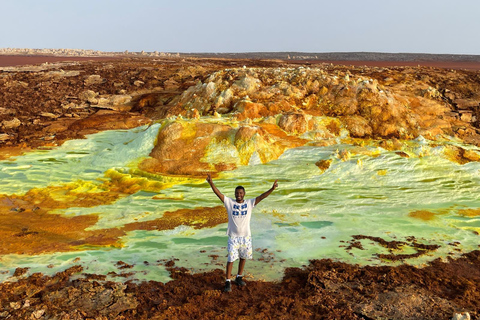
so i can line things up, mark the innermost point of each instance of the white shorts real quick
(239, 247)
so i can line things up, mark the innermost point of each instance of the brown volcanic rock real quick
(69, 90)
(358, 126)
(250, 110)
(293, 123)
(107, 121)
(322, 290)
(57, 296)
(402, 108)
(110, 300)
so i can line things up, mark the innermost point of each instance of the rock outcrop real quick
(195, 147)
(282, 108)
(363, 105)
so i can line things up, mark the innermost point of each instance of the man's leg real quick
(245, 252)
(228, 284)
(239, 277)
(241, 265)
(229, 269)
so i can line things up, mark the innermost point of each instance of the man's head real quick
(239, 193)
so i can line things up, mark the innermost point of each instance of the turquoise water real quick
(312, 214)
(86, 159)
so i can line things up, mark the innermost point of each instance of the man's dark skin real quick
(239, 195)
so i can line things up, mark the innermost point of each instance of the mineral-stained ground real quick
(45, 105)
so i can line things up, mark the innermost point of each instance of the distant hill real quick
(322, 56)
(340, 56)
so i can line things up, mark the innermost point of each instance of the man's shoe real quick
(228, 286)
(240, 282)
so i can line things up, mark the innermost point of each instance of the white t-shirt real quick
(239, 215)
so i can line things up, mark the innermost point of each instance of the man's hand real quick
(267, 193)
(214, 188)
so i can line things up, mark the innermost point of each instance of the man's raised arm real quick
(267, 193)
(214, 188)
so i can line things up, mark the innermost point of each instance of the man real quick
(239, 236)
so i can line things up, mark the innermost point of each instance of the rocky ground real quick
(322, 290)
(45, 104)
(48, 103)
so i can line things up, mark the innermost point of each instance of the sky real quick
(394, 26)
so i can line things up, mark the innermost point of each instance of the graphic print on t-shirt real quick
(239, 215)
(239, 209)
